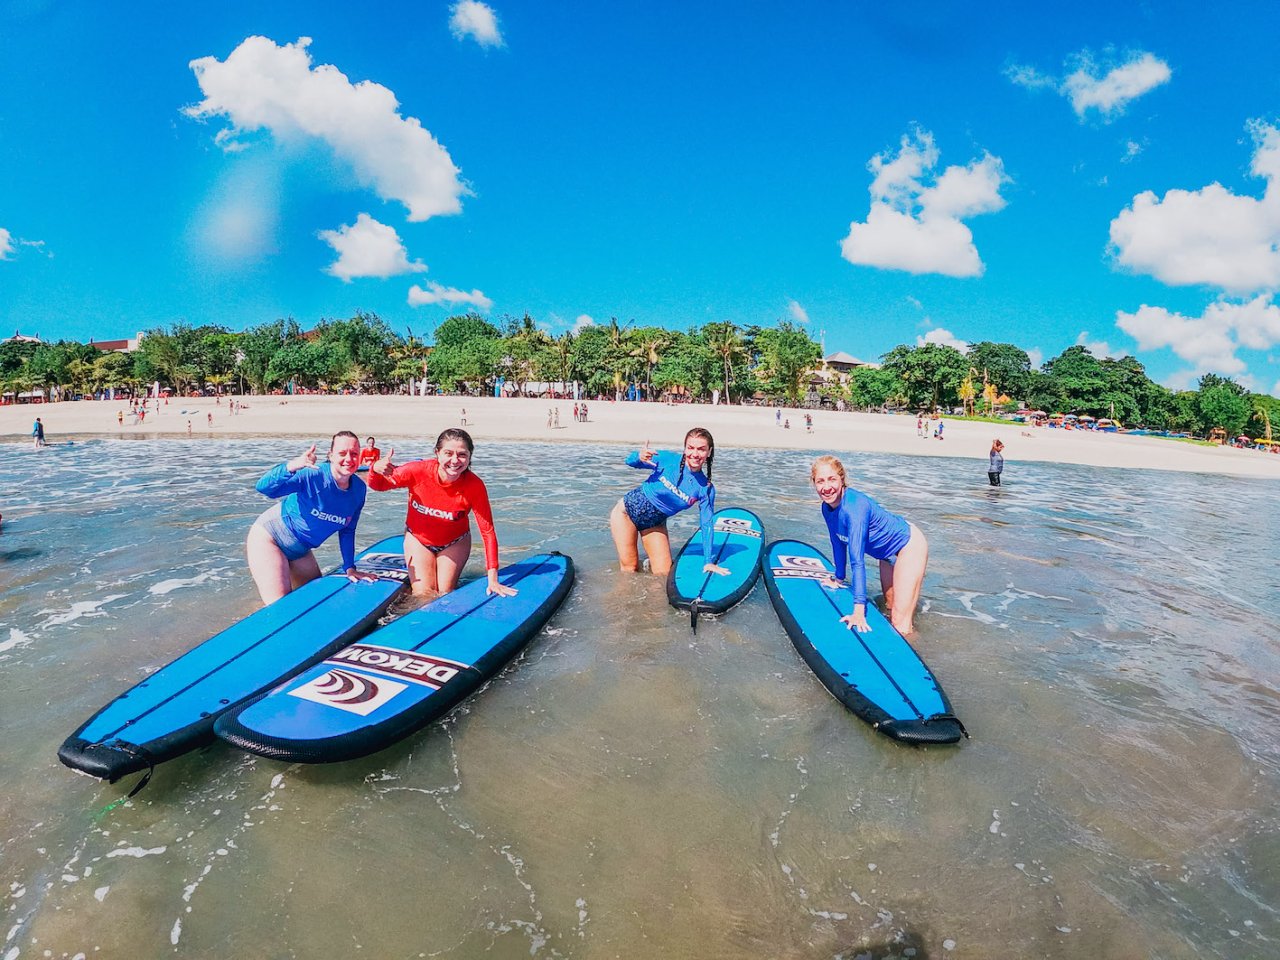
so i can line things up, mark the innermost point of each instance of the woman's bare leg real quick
(450, 561)
(657, 547)
(267, 565)
(422, 567)
(908, 577)
(625, 538)
(304, 569)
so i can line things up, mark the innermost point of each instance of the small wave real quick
(168, 586)
(16, 639)
(84, 608)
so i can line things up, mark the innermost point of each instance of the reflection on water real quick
(629, 789)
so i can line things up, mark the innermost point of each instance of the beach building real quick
(20, 337)
(117, 346)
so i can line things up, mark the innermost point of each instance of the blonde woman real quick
(859, 528)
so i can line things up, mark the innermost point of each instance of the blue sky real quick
(1099, 174)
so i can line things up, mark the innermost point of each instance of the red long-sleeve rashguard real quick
(438, 511)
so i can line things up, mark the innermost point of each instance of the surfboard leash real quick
(146, 758)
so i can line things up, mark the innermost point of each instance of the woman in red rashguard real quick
(442, 491)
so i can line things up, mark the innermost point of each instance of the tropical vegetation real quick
(735, 363)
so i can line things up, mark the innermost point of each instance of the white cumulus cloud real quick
(914, 223)
(943, 337)
(263, 86)
(797, 312)
(583, 320)
(471, 18)
(1208, 342)
(1107, 88)
(1099, 348)
(6, 243)
(1211, 235)
(368, 248)
(436, 293)
(1036, 356)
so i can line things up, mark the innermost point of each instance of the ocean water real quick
(626, 789)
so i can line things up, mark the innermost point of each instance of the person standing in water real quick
(318, 501)
(859, 527)
(37, 434)
(442, 493)
(676, 482)
(370, 454)
(995, 465)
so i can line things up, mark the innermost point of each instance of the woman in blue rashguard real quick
(676, 482)
(859, 527)
(318, 502)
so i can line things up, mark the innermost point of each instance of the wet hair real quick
(342, 433)
(702, 433)
(833, 463)
(453, 433)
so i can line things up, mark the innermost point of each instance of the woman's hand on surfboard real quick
(357, 576)
(496, 586)
(385, 466)
(305, 459)
(712, 568)
(857, 621)
(831, 583)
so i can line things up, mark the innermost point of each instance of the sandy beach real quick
(631, 424)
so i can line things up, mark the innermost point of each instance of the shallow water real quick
(626, 789)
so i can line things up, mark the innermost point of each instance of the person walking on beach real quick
(464, 416)
(210, 419)
(120, 418)
(318, 501)
(442, 493)
(777, 417)
(859, 527)
(919, 424)
(995, 465)
(937, 433)
(37, 434)
(676, 482)
(188, 428)
(557, 418)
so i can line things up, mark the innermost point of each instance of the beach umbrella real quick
(1084, 417)
(1037, 413)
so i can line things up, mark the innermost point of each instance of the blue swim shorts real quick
(642, 511)
(272, 521)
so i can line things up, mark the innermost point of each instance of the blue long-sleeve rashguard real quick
(861, 528)
(315, 507)
(673, 487)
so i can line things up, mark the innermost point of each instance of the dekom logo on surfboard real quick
(348, 690)
(805, 568)
(417, 668)
(738, 525)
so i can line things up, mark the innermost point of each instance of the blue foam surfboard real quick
(401, 677)
(736, 542)
(877, 675)
(174, 709)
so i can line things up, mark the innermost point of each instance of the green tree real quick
(687, 362)
(257, 348)
(873, 387)
(1003, 364)
(786, 354)
(725, 341)
(589, 363)
(1221, 402)
(930, 374)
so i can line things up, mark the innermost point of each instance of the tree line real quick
(771, 364)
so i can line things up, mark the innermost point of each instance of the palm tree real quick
(650, 342)
(725, 340)
(619, 354)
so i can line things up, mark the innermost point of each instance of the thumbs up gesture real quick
(385, 466)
